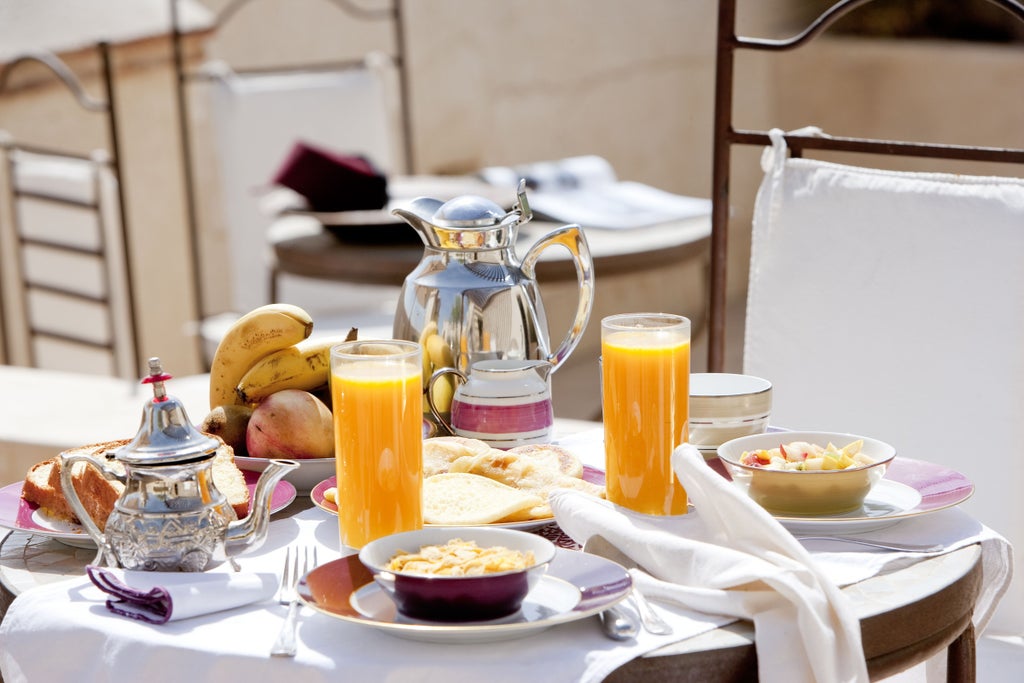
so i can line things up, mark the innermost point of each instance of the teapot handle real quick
(429, 393)
(572, 238)
(105, 555)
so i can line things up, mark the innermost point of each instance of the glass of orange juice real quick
(377, 390)
(645, 376)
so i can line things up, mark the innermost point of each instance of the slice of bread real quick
(458, 498)
(98, 494)
(440, 452)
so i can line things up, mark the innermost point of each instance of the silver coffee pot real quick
(170, 515)
(470, 298)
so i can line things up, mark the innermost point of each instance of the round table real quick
(907, 616)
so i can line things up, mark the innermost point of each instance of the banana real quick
(436, 355)
(257, 333)
(305, 365)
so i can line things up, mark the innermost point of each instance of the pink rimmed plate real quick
(590, 474)
(20, 515)
(910, 488)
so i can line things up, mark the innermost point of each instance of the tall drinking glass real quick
(377, 390)
(645, 366)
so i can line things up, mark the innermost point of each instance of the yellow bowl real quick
(806, 493)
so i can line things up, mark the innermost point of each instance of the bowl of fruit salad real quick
(806, 473)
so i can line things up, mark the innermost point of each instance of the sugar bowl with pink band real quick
(505, 403)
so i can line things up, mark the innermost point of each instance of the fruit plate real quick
(20, 515)
(576, 586)
(310, 471)
(591, 474)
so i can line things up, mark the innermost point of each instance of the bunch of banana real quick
(256, 334)
(305, 365)
(436, 355)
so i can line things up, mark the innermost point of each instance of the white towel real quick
(732, 558)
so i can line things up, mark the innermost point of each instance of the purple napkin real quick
(159, 597)
(333, 182)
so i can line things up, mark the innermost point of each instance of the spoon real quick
(599, 545)
(617, 625)
(884, 545)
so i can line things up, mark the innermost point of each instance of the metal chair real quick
(897, 384)
(73, 297)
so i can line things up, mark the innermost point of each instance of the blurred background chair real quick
(884, 302)
(69, 305)
(252, 116)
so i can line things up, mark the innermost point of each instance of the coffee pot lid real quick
(166, 436)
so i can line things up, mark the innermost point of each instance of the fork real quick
(288, 594)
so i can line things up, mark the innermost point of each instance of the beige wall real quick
(508, 81)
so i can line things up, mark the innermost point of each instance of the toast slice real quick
(98, 494)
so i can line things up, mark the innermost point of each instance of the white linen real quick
(732, 558)
(70, 617)
(889, 304)
(161, 597)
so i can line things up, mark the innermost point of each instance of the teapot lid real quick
(166, 436)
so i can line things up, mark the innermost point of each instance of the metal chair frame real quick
(111, 157)
(726, 135)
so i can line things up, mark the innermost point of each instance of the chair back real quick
(69, 302)
(883, 302)
(255, 115)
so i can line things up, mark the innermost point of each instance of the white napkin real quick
(732, 558)
(159, 597)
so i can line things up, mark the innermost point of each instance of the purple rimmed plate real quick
(20, 515)
(590, 474)
(910, 488)
(576, 586)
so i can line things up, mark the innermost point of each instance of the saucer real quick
(577, 585)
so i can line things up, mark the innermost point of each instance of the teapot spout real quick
(246, 535)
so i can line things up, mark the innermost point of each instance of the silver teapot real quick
(472, 293)
(170, 516)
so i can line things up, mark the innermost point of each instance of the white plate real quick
(591, 474)
(884, 506)
(576, 586)
(20, 515)
(310, 471)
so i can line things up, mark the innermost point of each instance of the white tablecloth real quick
(69, 618)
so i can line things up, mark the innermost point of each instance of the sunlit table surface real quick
(925, 605)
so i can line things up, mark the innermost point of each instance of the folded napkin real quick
(333, 182)
(732, 558)
(159, 597)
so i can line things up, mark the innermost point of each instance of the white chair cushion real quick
(892, 304)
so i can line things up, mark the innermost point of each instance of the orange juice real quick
(377, 405)
(646, 392)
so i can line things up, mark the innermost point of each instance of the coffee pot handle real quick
(429, 393)
(105, 554)
(572, 238)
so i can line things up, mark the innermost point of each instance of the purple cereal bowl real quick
(457, 598)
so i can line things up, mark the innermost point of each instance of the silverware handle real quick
(884, 545)
(650, 619)
(284, 646)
